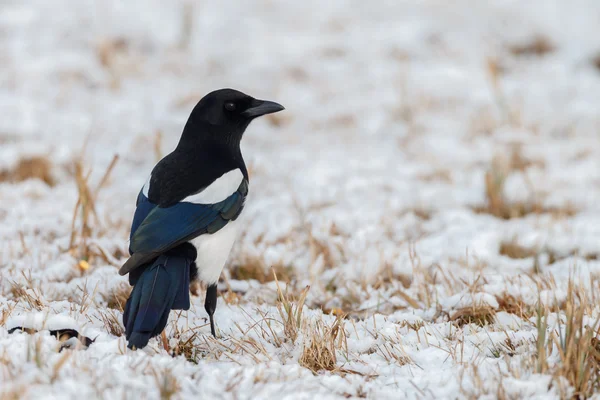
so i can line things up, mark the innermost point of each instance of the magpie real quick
(184, 224)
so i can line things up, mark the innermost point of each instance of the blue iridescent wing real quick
(143, 208)
(165, 228)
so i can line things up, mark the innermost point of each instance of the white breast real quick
(213, 251)
(219, 190)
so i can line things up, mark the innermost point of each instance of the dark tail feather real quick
(157, 289)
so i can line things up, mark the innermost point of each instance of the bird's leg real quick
(210, 304)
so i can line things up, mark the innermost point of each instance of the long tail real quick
(157, 289)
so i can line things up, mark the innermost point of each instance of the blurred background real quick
(430, 123)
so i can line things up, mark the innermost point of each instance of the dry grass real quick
(509, 114)
(507, 347)
(167, 384)
(85, 219)
(186, 347)
(112, 323)
(577, 347)
(158, 154)
(108, 48)
(279, 120)
(321, 250)
(117, 298)
(513, 250)
(482, 385)
(437, 175)
(38, 167)
(512, 305)
(187, 343)
(290, 311)
(247, 346)
(114, 55)
(6, 313)
(386, 276)
(536, 46)
(255, 268)
(31, 297)
(323, 341)
(479, 314)
(393, 353)
(495, 179)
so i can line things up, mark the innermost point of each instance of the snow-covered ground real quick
(370, 187)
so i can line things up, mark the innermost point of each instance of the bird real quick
(185, 221)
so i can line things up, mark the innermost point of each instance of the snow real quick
(368, 187)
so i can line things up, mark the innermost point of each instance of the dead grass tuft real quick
(512, 305)
(497, 204)
(108, 48)
(33, 299)
(85, 219)
(114, 55)
(30, 168)
(479, 314)
(507, 347)
(422, 213)
(513, 250)
(167, 384)
(536, 46)
(6, 313)
(386, 276)
(319, 249)
(320, 353)
(290, 311)
(520, 210)
(255, 268)
(577, 345)
(117, 298)
(112, 323)
(187, 347)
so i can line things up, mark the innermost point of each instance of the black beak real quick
(262, 107)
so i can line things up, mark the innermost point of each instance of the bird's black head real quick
(225, 114)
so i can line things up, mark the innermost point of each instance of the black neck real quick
(206, 143)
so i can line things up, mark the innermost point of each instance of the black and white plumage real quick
(185, 221)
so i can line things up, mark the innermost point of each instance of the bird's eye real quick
(229, 106)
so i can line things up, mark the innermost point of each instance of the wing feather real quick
(162, 229)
